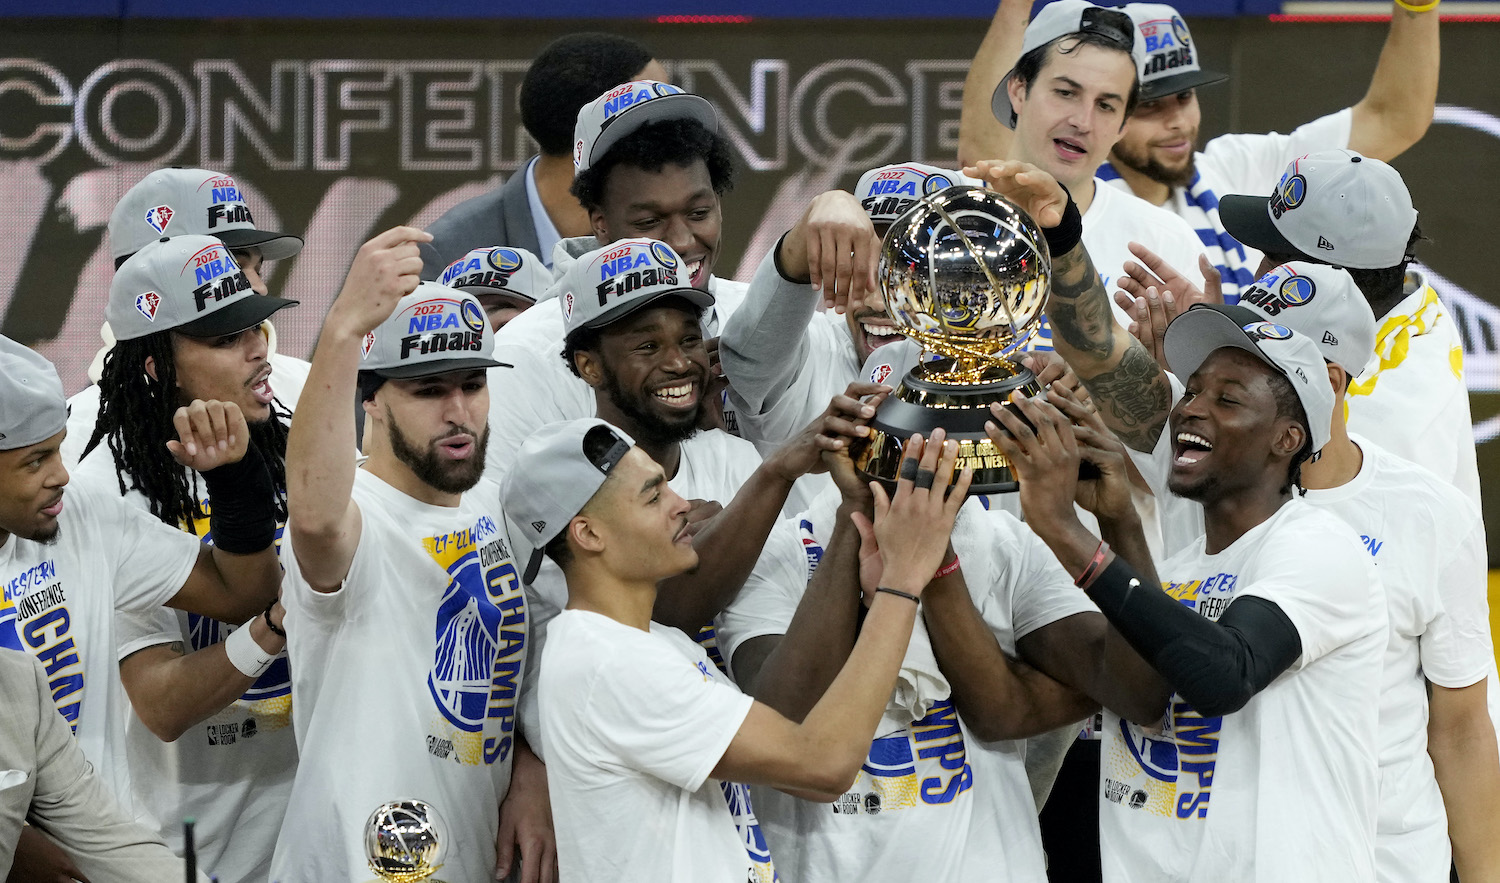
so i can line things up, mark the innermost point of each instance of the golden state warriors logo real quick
(1179, 29)
(1289, 194)
(1267, 331)
(1298, 290)
(506, 260)
(934, 183)
(472, 315)
(664, 255)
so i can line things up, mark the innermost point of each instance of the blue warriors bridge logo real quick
(479, 645)
(506, 260)
(1171, 773)
(1267, 331)
(1278, 290)
(1298, 290)
(925, 764)
(1289, 194)
(664, 255)
(934, 183)
(472, 315)
(762, 868)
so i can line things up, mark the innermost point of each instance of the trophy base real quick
(926, 401)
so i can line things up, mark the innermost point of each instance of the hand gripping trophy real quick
(965, 273)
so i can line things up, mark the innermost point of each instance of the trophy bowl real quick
(406, 841)
(965, 273)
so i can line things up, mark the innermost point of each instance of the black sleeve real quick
(1217, 666)
(242, 504)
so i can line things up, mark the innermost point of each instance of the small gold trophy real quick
(406, 841)
(965, 273)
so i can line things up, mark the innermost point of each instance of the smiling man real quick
(650, 162)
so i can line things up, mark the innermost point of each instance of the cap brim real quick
(533, 566)
(273, 246)
(696, 296)
(442, 366)
(481, 291)
(1248, 219)
(1000, 102)
(664, 107)
(1179, 83)
(1193, 336)
(247, 312)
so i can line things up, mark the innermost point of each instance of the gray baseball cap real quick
(1321, 302)
(625, 109)
(1332, 207)
(1196, 334)
(610, 283)
(433, 330)
(189, 284)
(887, 192)
(553, 479)
(499, 270)
(32, 405)
(171, 202)
(1171, 64)
(1062, 18)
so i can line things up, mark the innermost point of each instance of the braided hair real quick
(135, 420)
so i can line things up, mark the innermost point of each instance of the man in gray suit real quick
(45, 781)
(533, 209)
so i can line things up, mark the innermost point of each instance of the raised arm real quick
(323, 519)
(980, 135)
(822, 755)
(729, 546)
(1130, 389)
(238, 576)
(1397, 109)
(791, 672)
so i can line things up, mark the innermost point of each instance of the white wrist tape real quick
(246, 655)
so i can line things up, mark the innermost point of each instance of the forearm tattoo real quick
(1079, 307)
(1136, 396)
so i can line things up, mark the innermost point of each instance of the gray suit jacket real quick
(45, 780)
(499, 217)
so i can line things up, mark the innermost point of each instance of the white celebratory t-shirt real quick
(1427, 542)
(59, 605)
(1240, 164)
(931, 801)
(404, 683)
(633, 723)
(1285, 789)
(232, 771)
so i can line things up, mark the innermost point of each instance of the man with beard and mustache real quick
(71, 559)
(1156, 158)
(196, 684)
(405, 615)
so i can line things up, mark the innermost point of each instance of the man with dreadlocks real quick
(72, 558)
(188, 326)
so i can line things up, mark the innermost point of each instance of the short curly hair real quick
(572, 71)
(652, 147)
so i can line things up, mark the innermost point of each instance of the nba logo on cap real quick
(159, 217)
(567, 304)
(881, 373)
(366, 344)
(147, 304)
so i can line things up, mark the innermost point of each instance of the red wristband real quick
(947, 569)
(1095, 567)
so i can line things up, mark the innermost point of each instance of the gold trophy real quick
(965, 273)
(406, 841)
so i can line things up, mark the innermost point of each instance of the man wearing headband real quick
(405, 615)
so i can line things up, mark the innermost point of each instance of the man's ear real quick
(596, 223)
(1017, 90)
(1291, 438)
(150, 367)
(590, 367)
(584, 534)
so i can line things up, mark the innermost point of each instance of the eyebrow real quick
(654, 206)
(653, 482)
(1074, 84)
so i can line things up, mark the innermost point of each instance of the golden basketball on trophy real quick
(965, 273)
(406, 841)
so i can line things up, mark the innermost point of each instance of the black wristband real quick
(781, 270)
(1069, 231)
(242, 504)
(900, 594)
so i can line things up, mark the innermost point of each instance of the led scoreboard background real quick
(342, 121)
